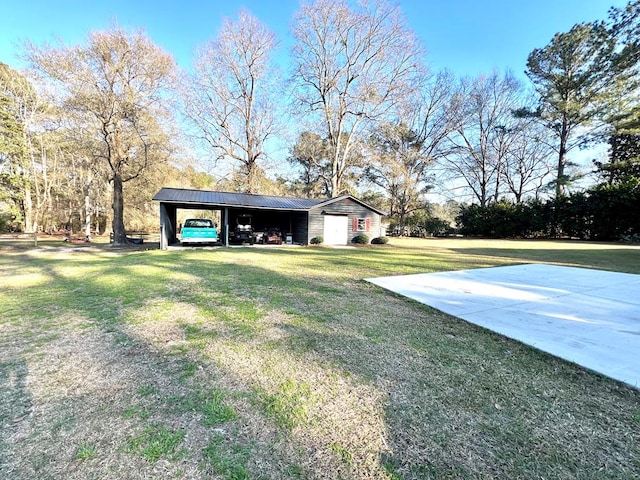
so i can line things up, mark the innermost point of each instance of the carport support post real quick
(164, 219)
(226, 227)
(167, 225)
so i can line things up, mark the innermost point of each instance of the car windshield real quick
(198, 223)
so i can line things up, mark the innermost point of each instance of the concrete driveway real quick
(590, 317)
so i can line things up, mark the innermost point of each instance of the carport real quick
(300, 218)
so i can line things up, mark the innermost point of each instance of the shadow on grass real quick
(460, 401)
(15, 399)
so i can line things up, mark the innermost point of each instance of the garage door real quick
(335, 229)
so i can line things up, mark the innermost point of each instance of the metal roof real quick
(208, 198)
(229, 199)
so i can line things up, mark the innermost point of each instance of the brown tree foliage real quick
(115, 89)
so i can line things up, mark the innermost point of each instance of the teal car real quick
(198, 230)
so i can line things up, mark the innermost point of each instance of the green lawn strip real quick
(288, 405)
(157, 441)
(86, 451)
(228, 461)
(210, 405)
(619, 260)
(80, 292)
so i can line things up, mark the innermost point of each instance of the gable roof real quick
(209, 198)
(329, 201)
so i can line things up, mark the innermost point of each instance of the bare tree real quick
(401, 153)
(431, 115)
(351, 66)
(398, 164)
(529, 159)
(482, 110)
(116, 87)
(231, 96)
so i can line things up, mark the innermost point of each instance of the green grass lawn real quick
(283, 363)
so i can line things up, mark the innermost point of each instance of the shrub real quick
(505, 219)
(316, 240)
(8, 222)
(380, 241)
(604, 212)
(361, 238)
(435, 226)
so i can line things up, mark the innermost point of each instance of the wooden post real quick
(226, 226)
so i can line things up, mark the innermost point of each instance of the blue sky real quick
(467, 36)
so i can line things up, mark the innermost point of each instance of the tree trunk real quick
(518, 196)
(119, 234)
(69, 225)
(87, 211)
(562, 159)
(252, 186)
(27, 210)
(335, 179)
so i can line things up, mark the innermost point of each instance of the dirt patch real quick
(73, 392)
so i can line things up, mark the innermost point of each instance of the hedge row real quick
(605, 213)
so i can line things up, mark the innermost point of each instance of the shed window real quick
(361, 224)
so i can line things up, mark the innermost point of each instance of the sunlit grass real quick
(284, 363)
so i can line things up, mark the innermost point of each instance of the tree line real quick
(89, 129)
